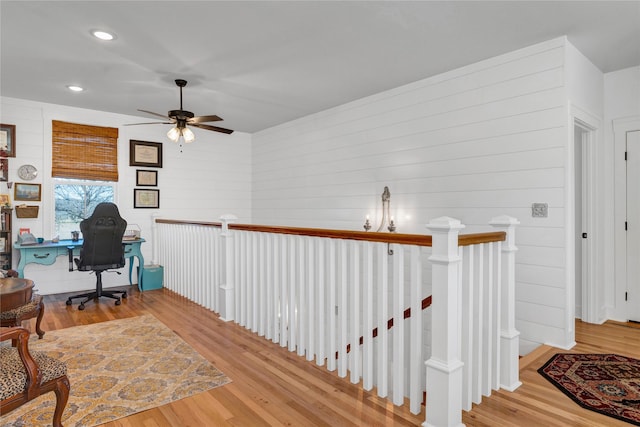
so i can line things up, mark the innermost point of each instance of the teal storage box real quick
(152, 277)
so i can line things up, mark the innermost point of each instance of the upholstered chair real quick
(15, 317)
(26, 375)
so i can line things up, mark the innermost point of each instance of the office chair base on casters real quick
(95, 296)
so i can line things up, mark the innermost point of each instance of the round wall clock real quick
(27, 172)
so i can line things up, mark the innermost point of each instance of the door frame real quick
(620, 129)
(592, 301)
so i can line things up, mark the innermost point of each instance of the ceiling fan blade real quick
(149, 123)
(213, 128)
(201, 119)
(164, 116)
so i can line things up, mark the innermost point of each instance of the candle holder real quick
(391, 227)
(386, 221)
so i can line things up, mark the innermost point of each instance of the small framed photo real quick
(4, 169)
(146, 178)
(7, 140)
(144, 198)
(27, 192)
(4, 200)
(143, 153)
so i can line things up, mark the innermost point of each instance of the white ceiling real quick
(261, 63)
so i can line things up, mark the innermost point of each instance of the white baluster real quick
(383, 316)
(301, 296)
(487, 322)
(332, 307)
(478, 349)
(367, 299)
(275, 260)
(466, 269)
(242, 278)
(398, 324)
(293, 321)
(311, 303)
(269, 284)
(343, 306)
(356, 301)
(284, 293)
(496, 249)
(415, 332)
(321, 294)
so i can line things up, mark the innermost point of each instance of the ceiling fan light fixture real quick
(188, 135)
(174, 134)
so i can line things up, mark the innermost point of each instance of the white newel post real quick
(154, 237)
(444, 368)
(509, 336)
(227, 287)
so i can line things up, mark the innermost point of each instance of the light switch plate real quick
(540, 210)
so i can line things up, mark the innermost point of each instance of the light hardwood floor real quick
(272, 386)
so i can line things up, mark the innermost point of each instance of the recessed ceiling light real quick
(102, 35)
(75, 88)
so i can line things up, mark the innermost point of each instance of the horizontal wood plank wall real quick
(207, 179)
(480, 141)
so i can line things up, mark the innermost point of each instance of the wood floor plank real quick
(274, 387)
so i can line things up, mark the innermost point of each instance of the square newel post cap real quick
(445, 223)
(504, 220)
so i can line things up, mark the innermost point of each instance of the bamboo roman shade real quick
(84, 152)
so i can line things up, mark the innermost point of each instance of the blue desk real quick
(47, 252)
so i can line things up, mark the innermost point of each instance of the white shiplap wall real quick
(480, 141)
(211, 177)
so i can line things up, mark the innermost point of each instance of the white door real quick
(633, 224)
(582, 150)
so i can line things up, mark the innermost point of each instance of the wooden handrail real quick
(369, 236)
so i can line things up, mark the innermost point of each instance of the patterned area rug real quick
(116, 369)
(605, 383)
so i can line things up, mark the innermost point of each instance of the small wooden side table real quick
(18, 303)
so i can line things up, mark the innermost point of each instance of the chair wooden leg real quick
(62, 396)
(39, 331)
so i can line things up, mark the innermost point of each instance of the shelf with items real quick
(6, 250)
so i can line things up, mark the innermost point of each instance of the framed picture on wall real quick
(4, 169)
(143, 153)
(144, 198)
(26, 192)
(146, 178)
(4, 200)
(7, 140)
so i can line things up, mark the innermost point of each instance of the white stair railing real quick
(324, 294)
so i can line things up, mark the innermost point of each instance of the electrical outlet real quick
(540, 210)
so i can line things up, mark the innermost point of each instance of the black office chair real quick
(101, 250)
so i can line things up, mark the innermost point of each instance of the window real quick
(75, 200)
(85, 172)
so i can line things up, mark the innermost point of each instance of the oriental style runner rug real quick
(116, 369)
(604, 383)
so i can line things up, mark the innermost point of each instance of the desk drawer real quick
(41, 256)
(46, 255)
